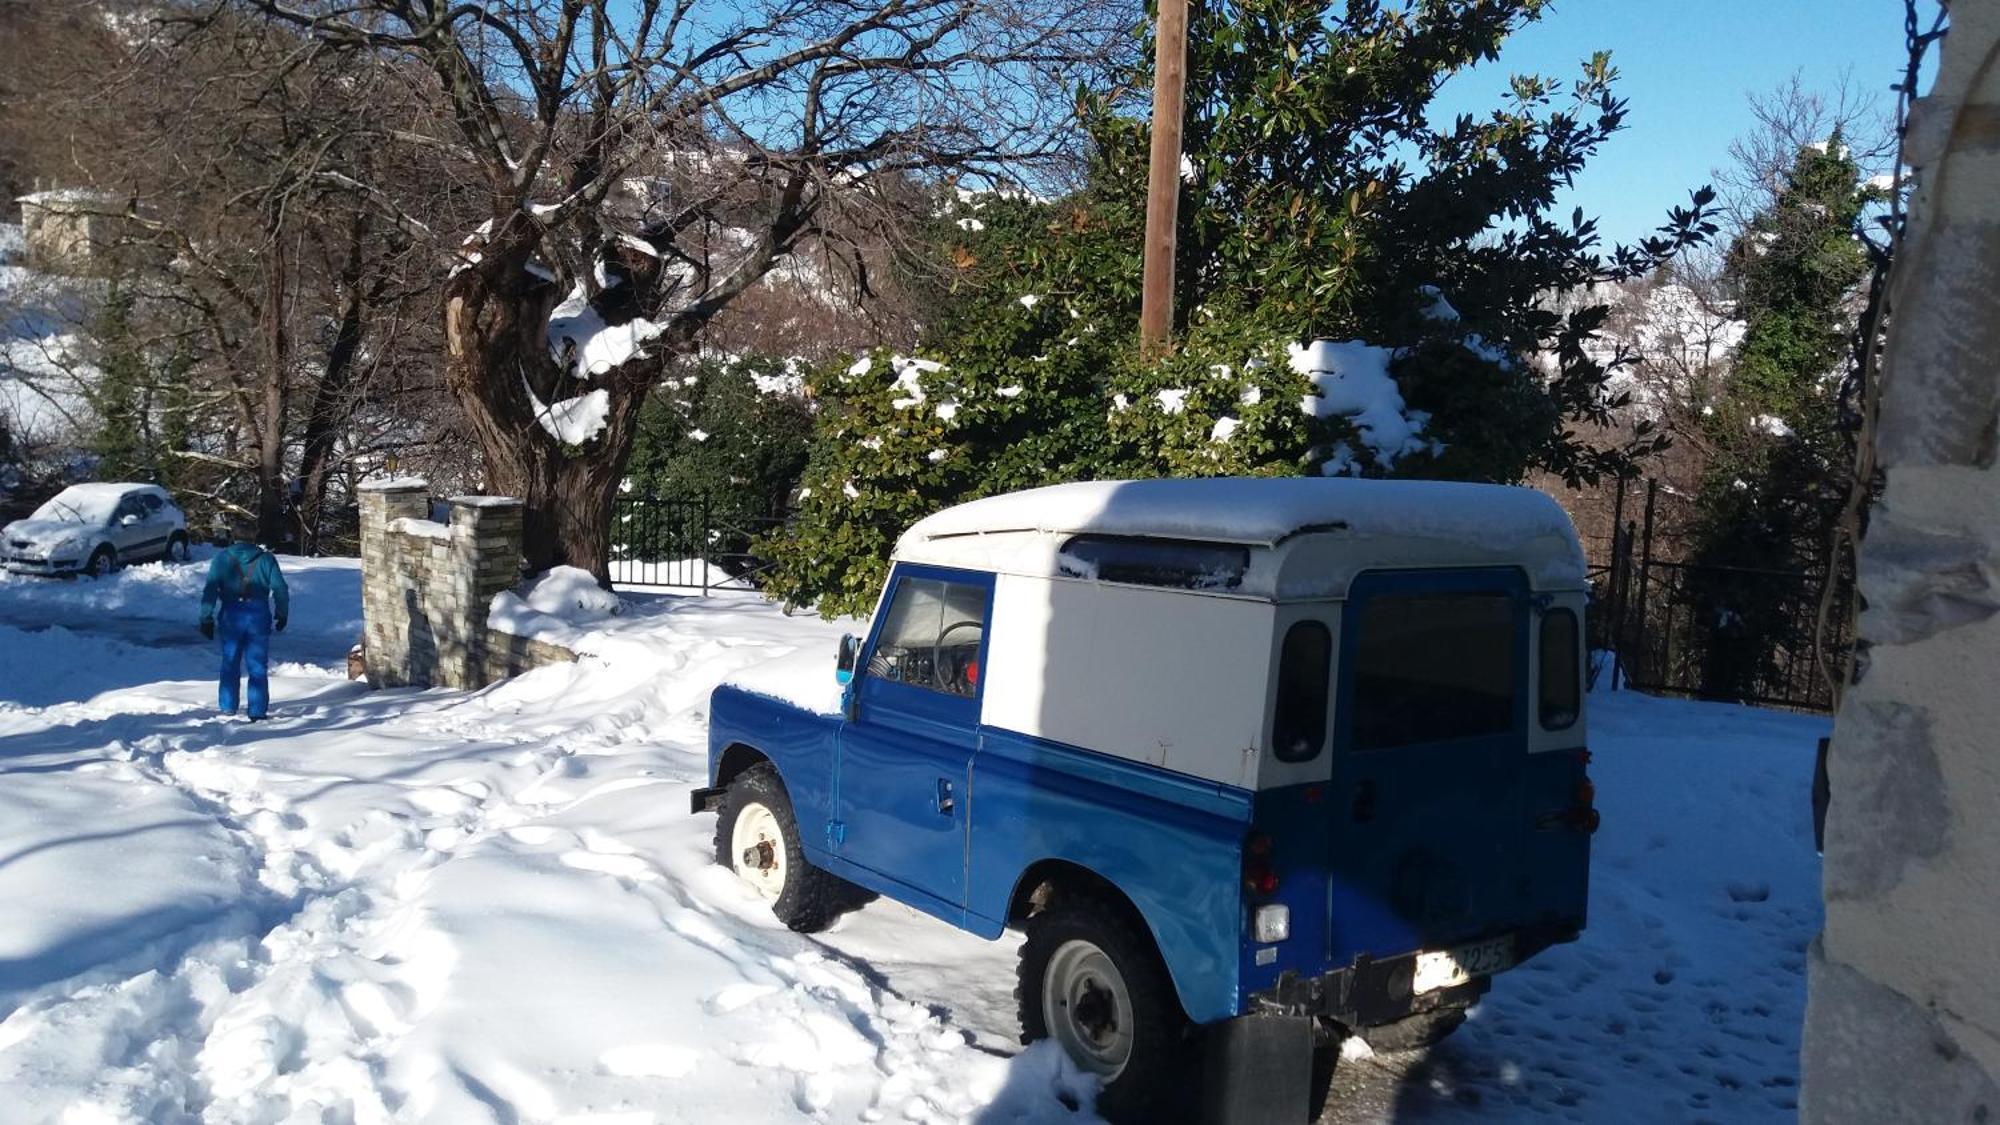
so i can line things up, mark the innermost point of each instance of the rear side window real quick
(1433, 668)
(1184, 564)
(1561, 695)
(1305, 668)
(931, 636)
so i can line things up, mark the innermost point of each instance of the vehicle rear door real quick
(904, 759)
(1430, 744)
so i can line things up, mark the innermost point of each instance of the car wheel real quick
(757, 837)
(1092, 980)
(101, 562)
(1414, 1032)
(177, 548)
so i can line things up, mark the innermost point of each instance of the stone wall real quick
(1903, 1001)
(426, 587)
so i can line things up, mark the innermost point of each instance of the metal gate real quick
(685, 544)
(1737, 634)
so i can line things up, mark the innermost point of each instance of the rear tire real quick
(1412, 1033)
(1091, 979)
(102, 562)
(757, 837)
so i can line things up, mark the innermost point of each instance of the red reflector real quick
(1314, 794)
(1263, 880)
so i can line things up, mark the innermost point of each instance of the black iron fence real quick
(1731, 633)
(683, 543)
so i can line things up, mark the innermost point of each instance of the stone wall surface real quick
(426, 587)
(1903, 1008)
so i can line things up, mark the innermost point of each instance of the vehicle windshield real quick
(73, 505)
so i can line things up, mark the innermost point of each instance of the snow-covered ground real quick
(494, 906)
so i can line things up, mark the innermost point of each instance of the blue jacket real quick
(244, 572)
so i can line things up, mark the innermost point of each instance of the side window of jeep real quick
(931, 636)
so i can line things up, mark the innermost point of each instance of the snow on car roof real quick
(1373, 523)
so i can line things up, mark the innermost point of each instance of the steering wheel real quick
(937, 659)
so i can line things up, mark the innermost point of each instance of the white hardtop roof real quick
(1319, 532)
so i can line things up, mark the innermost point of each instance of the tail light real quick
(1581, 814)
(1584, 815)
(1260, 876)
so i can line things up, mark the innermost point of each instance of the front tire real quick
(102, 562)
(757, 837)
(177, 549)
(1091, 979)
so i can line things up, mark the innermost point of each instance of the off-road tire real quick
(177, 549)
(1411, 1033)
(811, 898)
(102, 562)
(1158, 1082)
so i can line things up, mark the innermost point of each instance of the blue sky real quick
(1687, 67)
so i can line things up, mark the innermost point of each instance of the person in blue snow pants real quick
(245, 598)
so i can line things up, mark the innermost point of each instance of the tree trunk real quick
(272, 529)
(1903, 1007)
(496, 354)
(331, 402)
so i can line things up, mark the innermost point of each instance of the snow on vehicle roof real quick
(93, 501)
(1362, 522)
(1253, 510)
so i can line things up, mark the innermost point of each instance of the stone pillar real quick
(1903, 1006)
(485, 559)
(385, 609)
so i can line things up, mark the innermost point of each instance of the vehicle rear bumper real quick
(1378, 990)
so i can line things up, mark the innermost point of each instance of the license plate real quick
(1450, 967)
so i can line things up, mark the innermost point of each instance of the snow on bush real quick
(1352, 381)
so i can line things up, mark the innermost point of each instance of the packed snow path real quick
(493, 906)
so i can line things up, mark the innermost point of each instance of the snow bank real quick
(555, 606)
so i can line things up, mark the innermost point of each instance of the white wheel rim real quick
(1088, 1009)
(757, 850)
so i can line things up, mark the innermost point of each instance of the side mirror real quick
(128, 520)
(850, 651)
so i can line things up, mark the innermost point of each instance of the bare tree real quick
(271, 290)
(1790, 117)
(645, 163)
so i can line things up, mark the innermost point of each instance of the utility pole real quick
(1163, 181)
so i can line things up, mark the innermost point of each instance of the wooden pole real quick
(1163, 182)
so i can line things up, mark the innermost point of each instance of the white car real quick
(91, 528)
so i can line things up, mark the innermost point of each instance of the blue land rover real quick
(1255, 764)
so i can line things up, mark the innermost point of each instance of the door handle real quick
(943, 800)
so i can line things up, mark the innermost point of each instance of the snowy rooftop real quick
(1370, 522)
